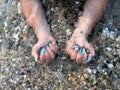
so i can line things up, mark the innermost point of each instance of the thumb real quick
(35, 50)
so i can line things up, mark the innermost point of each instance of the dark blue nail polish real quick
(43, 50)
(49, 44)
(89, 59)
(36, 59)
(74, 46)
(80, 51)
(83, 51)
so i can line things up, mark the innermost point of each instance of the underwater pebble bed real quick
(19, 71)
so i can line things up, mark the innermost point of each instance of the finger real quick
(47, 56)
(74, 54)
(84, 55)
(89, 59)
(54, 48)
(35, 51)
(42, 59)
(52, 55)
(91, 50)
(69, 51)
(84, 58)
(42, 55)
(36, 59)
(69, 48)
(78, 58)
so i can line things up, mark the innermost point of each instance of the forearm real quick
(33, 11)
(93, 11)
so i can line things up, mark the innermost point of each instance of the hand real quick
(47, 52)
(81, 42)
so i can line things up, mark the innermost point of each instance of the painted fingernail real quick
(49, 44)
(36, 59)
(83, 51)
(43, 50)
(74, 46)
(89, 59)
(80, 51)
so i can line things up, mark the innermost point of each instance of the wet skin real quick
(93, 10)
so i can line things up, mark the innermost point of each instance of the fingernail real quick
(36, 59)
(80, 51)
(89, 59)
(43, 50)
(83, 51)
(74, 46)
(49, 44)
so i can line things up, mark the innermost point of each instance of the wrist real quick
(83, 21)
(83, 27)
(80, 33)
(41, 30)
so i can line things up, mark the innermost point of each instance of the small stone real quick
(24, 76)
(94, 71)
(68, 32)
(5, 24)
(9, 1)
(110, 65)
(118, 39)
(19, 8)
(64, 58)
(112, 35)
(89, 70)
(105, 73)
(94, 82)
(108, 48)
(52, 9)
(86, 76)
(82, 78)
(105, 31)
(76, 2)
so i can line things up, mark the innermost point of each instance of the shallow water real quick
(18, 70)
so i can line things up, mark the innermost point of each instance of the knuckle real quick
(32, 53)
(93, 54)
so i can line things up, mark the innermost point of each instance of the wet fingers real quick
(74, 52)
(52, 55)
(45, 53)
(42, 55)
(83, 55)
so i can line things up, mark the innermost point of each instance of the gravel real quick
(19, 71)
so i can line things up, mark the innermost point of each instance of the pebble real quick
(68, 32)
(5, 24)
(94, 71)
(107, 33)
(13, 81)
(53, 75)
(108, 48)
(19, 8)
(76, 2)
(9, 1)
(118, 39)
(110, 66)
(86, 75)
(89, 70)
(112, 35)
